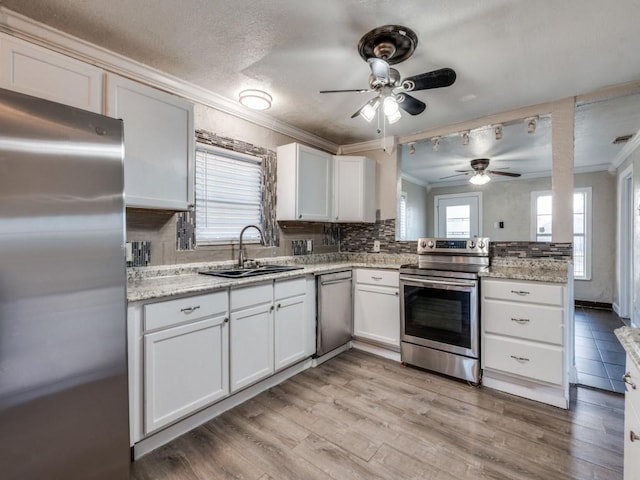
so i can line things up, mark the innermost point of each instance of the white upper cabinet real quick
(37, 71)
(159, 144)
(305, 184)
(354, 188)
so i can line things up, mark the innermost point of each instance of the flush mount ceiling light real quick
(480, 178)
(255, 99)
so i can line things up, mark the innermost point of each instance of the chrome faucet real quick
(241, 258)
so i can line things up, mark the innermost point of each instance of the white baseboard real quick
(164, 436)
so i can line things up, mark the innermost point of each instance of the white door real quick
(290, 331)
(377, 314)
(185, 368)
(251, 345)
(458, 215)
(315, 185)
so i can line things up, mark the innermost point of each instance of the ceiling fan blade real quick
(464, 171)
(379, 68)
(361, 90)
(456, 175)
(410, 104)
(506, 174)
(435, 79)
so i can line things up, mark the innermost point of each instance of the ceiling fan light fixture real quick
(393, 118)
(255, 99)
(368, 112)
(390, 106)
(480, 179)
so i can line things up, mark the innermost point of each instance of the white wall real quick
(416, 209)
(510, 202)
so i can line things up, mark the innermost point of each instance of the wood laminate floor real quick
(359, 416)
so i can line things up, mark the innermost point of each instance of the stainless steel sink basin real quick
(250, 272)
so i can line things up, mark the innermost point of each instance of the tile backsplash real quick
(547, 250)
(140, 254)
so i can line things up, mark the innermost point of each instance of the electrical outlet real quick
(309, 246)
(129, 252)
(376, 245)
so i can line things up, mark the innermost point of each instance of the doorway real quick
(458, 215)
(625, 244)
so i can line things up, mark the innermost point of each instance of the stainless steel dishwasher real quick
(335, 307)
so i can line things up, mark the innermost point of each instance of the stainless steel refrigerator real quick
(63, 365)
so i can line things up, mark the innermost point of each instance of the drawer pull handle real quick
(633, 436)
(520, 359)
(520, 292)
(271, 308)
(521, 321)
(626, 378)
(376, 278)
(226, 319)
(188, 310)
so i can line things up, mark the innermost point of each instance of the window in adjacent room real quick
(458, 215)
(402, 217)
(541, 227)
(228, 194)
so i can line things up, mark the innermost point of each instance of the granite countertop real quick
(538, 270)
(146, 283)
(630, 339)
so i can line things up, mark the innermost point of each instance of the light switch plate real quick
(376, 245)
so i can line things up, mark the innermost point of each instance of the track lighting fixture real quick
(435, 143)
(497, 129)
(532, 123)
(465, 138)
(412, 148)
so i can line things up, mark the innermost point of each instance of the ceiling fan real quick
(479, 171)
(385, 46)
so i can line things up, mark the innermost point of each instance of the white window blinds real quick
(228, 195)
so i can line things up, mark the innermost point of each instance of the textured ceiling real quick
(507, 53)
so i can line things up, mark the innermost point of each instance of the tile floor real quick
(599, 356)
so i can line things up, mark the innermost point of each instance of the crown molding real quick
(27, 29)
(416, 180)
(388, 144)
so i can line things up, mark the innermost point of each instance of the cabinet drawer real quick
(173, 312)
(290, 288)
(632, 377)
(387, 278)
(529, 322)
(244, 297)
(538, 362)
(529, 292)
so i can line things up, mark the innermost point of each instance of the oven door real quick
(440, 313)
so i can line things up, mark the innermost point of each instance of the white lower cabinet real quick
(377, 307)
(525, 348)
(185, 362)
(632, 422)
(251, 338)
(290, 323)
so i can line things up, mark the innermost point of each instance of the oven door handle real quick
(437, 282)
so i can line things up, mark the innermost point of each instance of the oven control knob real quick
(480, 244)
(431, 244)
(472, 244)
(423, 244)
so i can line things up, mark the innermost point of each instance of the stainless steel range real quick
(440, 321)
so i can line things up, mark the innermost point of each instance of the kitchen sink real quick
(250, 272)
